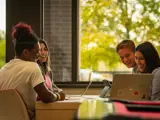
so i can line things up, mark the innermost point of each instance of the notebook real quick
(131, 86)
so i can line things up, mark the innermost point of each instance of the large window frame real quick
(75, 20)
(15, 13)
(75, 54)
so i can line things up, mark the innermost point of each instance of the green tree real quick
(2, 48)
(104, 23)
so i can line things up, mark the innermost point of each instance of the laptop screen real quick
(131, 86)
(85, 90)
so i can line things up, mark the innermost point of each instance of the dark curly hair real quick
(23, 37)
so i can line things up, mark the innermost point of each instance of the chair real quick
(12, 107)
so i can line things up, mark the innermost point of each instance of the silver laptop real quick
(82, 95)
(131, 86)
(102, 94)
(106, 88)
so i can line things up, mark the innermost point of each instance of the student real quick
(126, 50)
(148, 61)
(44, 64)
(23, 73)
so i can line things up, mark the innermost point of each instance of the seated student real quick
(126, 50)
(44, 64)
(148, 61)
(23, 73)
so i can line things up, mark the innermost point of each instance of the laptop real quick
(106, 88)
(102, 94)
(82, 95)
(131, 86)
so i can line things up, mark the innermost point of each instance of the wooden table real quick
(60, 110)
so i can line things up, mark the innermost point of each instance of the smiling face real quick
(140, 61)
(43, 53)
(127, 57)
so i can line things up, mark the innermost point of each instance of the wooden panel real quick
(60, 110)
(55, 114)
(67, 104)
(28, 11)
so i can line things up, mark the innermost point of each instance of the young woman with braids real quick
(23, 73)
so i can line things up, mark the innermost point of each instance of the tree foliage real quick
(104, 23)
(2, 48)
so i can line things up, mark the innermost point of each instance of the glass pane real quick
(2, 32)
(104, 23)
(57, 33)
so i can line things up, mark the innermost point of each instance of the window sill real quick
(80, 85)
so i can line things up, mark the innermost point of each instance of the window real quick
(58, 34)
(104, 23)
(82, 34)
(2, 32)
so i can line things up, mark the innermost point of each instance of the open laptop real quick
(106, 88)
(83, 94)
(131, 86)
(102, 94)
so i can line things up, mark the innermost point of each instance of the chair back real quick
(12, 106)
